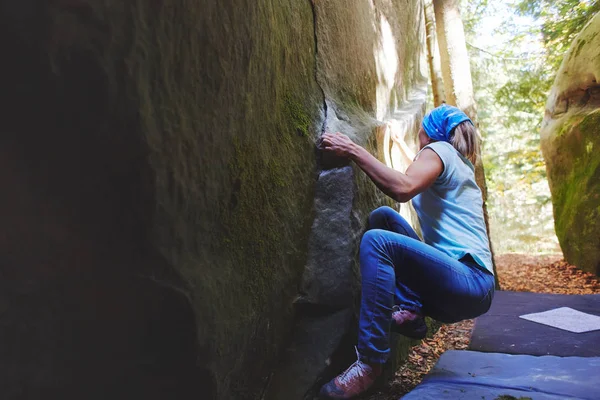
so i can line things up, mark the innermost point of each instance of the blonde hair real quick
(466, 140)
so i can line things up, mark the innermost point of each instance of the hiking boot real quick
(408, 323)
(356, 380)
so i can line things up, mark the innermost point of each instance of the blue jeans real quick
(397, 268)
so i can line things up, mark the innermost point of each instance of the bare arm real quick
(401, 187)
(407, 154)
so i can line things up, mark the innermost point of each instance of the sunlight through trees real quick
(516, 47)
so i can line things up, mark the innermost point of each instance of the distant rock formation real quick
(570, 139)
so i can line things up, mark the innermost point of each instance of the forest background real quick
(516, 48)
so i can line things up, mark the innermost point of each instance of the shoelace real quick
(356, 369)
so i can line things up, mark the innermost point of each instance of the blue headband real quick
(440, 122)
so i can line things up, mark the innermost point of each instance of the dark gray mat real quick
(501, 330)
(470, 375)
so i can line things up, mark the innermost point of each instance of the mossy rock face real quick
(170, 215)
(190, 126)
(570, 142)
(230, 110)
(369, 67)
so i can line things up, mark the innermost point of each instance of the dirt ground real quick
(516, 272)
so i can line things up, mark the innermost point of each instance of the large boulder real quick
(371, 71)
(169, 229)
(570, 138)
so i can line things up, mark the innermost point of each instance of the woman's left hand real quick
(337, 143)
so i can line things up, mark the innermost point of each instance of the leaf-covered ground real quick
(516, 272)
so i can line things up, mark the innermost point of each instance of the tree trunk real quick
(458, 86)
(433, 56)
(456, 70)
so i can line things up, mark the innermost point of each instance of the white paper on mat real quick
(567, 319)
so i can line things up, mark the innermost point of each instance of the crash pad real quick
(471, 375)
(504, 329)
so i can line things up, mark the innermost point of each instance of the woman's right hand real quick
(338, 144)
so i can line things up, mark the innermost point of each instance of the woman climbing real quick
(447, 276)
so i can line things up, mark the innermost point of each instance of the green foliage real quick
(511, 81)
(560, 21)
(553, 25)
(513, 71)
(526, 92)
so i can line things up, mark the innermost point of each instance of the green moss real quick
(266, 219)
(272, 181)
(567, 126)
(575, 178)
(297, 114)
(232, 160)
(590, 123)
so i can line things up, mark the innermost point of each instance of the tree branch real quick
(498, 56)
